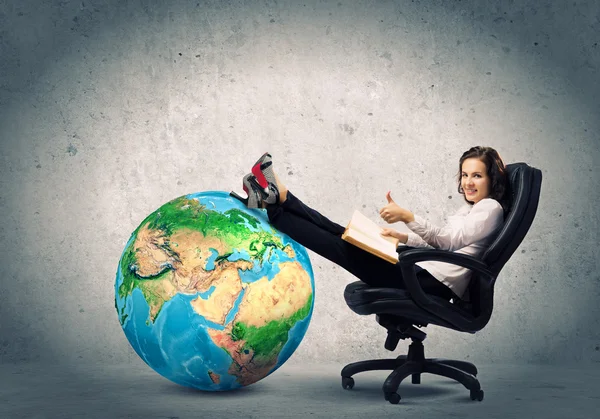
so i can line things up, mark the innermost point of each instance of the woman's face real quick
(474, 180)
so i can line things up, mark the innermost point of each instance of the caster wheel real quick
(347, 383)
(477, 394)
(393, 398)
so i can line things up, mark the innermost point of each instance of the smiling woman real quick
(482, 174)
(470, 231)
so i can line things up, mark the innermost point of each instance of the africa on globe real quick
(210, 295)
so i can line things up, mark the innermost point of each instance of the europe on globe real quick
(210, 295)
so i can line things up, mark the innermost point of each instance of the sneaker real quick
(255, 194)
(265, 178)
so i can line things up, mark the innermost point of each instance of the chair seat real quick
(364, 299)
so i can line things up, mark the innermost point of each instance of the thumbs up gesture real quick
(392, 212)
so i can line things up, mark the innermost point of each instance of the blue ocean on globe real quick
(210, 295)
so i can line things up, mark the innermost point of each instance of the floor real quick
(294, 391)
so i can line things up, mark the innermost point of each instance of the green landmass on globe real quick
(185, 248)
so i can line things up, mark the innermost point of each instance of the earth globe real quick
(210, 295)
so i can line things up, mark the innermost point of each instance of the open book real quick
(364, 233)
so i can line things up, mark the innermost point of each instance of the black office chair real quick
(399, 311)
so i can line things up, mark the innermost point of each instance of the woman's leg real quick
(294, 205)
(291, 203)
(365, 266)
(323, 236)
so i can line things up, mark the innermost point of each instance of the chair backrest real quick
(521, 202)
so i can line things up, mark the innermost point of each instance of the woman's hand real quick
(392, 212)
(402, 237)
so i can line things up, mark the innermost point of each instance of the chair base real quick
(415, 364)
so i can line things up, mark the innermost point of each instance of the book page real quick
(368, 228)
(382, 245)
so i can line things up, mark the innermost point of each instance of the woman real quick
(482, 181)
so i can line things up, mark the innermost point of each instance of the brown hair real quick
(496, 171)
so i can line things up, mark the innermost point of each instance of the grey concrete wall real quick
(108, 109)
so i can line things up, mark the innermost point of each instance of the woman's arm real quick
(483, 219)
(410, 239)
(414, 240)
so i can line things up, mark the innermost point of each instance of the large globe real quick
(210, 295)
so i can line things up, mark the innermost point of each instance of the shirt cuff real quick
(412, 240)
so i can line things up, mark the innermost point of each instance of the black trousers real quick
(324, 237)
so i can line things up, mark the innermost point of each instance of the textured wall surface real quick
(108, 109)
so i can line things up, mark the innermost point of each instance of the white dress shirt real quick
(469, 231)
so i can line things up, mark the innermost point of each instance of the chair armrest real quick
(402, 247)
(407, 260)
(414, 255)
